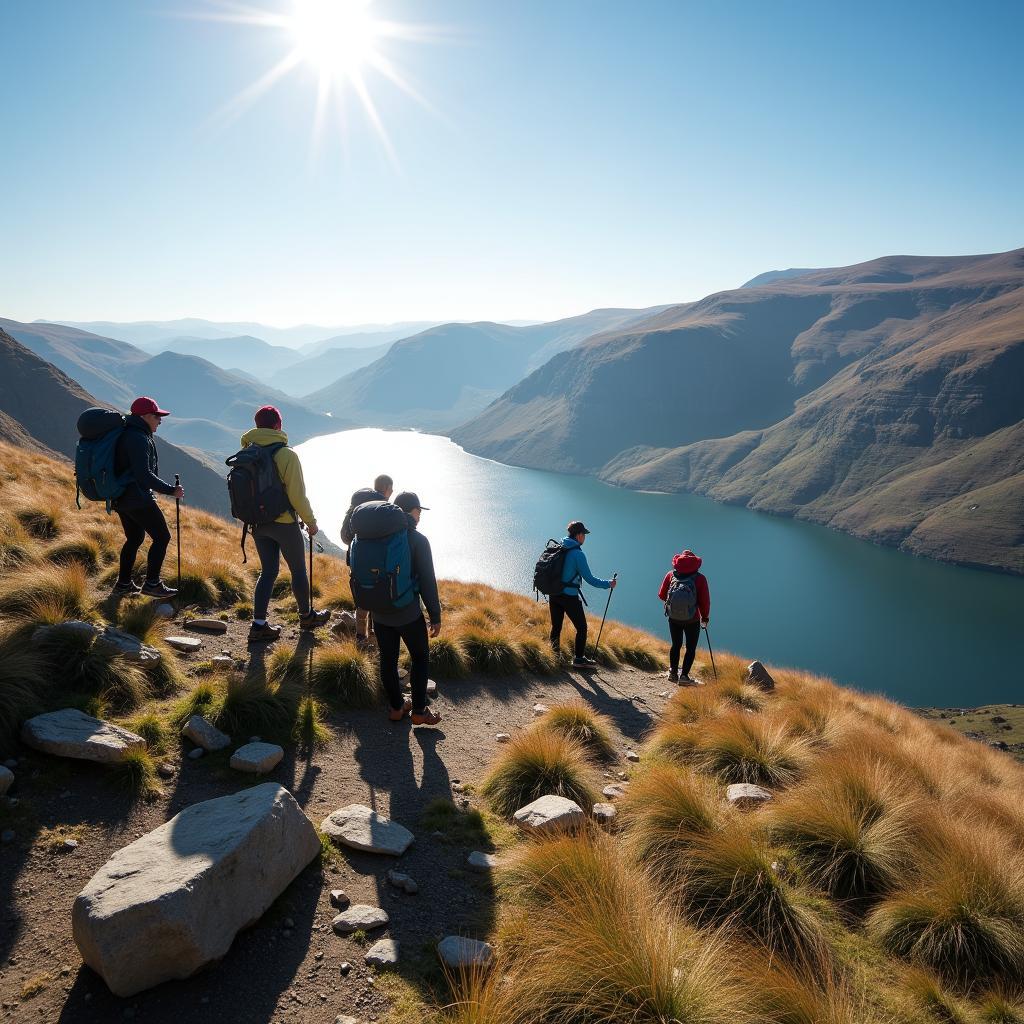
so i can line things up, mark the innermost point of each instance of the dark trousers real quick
(691, 632)
(272, 541)
(137, 523)
(560, 606)
(414, 634)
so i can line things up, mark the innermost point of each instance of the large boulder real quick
(173, 901)
(361, 828)
(73, 733)
(759, 676)
(550, 814)
(116, 640)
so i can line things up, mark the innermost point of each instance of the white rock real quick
(361, 828)
(540, 709)
(257, 758)
(73, 733)
(360, 916)
(174, 900)
(632, 755)
(344, 624)
(503, 737)
(604, 813)
(479, 861)
(404, 882)
(6, 780)
(549, 814)
(128, 646)
(204, 735)
(614, 791)
(187, 644)
(207, 625)
(382, 954)
(344, 1019)
(745, 794)
(458, 952)
(222, 660)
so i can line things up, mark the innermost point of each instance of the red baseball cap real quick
(145, 406)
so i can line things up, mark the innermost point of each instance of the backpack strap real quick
(245, 533)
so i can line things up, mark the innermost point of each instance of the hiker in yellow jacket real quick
(283, 536)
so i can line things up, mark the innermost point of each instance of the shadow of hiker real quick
(634, 720)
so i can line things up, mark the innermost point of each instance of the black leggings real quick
(136, 523)
(691, 632)
(560, 606)
(415, 636)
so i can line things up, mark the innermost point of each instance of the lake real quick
(786, 592)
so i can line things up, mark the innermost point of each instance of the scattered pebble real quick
(345, 968)
(196, 754)
(503, 737)
(540, 709)
(403, 881)
(70, 844)
(632, 755)
(166, 771)
(339, 899)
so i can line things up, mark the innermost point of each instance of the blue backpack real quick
(381, 558)
(99, 431)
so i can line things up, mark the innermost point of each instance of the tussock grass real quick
(344, 675)
(196, 588)
(62, 591)
(927, 992)
(796, 995)
(448, 658)
(203, 699)
(86, 551)
(23, 682)
(38, 522)
(137, 775)
(580, 722)
(152, 729)
(310, 732)
(1001, 1008)
(491, 653)
(467, 827)
(537, 763)
(254, 706)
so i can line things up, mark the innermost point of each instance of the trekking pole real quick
(707, 636)
(177, 524)
(615, 576)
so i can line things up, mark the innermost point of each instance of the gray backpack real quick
(681, 602)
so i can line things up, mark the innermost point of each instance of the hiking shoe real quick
(672, 675)
(686, 681)
(314, 619)
(158, 589)
(584, 662)
(262, 634)
(397, 714)
(128, 587)
(426, 717)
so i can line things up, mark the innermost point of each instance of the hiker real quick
(570, 602)
(283, 536)
(387, 535)
(135, 457)
(383, 488)
(687, 607)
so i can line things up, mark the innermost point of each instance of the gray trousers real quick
(272, 541)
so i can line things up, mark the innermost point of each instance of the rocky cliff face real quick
(885, 399)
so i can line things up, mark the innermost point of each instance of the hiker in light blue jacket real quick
(575, 570)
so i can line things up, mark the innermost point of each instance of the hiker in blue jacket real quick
(575, 570)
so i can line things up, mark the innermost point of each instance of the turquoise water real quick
(783, 591)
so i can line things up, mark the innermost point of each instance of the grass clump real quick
(48, 593)
(152, 729)
(579, 722)
(40, 523)
(23, 681)
(310, 732)
(1000, 1008)
(197, 588)
(344, 675)
(253, 705)
(203, 699)
(84, 551)
(537, 763)
(464, 827)
(738, 747)
(448, 658)
(491, 653)
(136, 774)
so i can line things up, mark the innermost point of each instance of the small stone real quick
(746, 794)
(257, 758)
(361, 828)
(479, 861)
(759, 676)
(549, 814)
(664, 693)
(614, 791)
(382, 954)
(204, 734)
(344, 968)
(404, 882)
(185, 644)
(359, 916)
(70, 844)
(622, 776)
(207, 625)
(194, 755)
(165, 770)
(1000, 745)
(339, 899)
(7, 836)
(457, 787)
(604, 813)
(222, 661)
(503, 737)
(6, 779)
(457, 952)
(632, 755)
(540, 709)
(344, 1018)
(164, 611)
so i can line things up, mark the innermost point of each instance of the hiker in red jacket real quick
(687, 607)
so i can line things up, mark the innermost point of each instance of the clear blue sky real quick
(586, 153)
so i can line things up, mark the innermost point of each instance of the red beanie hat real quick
(268, 416)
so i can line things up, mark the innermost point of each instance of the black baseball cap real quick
(408, 500)
(576, 527)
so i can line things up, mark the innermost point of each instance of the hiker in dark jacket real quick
(283, 536)
(383, 488)
(694, 595)
(408, 625)
(136, 507)
(575, 570)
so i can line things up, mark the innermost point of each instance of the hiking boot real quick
(263, 633)
(426, 717)
(126, 588)
(314, 619)
(672, 675)
(157, 589)
(685, 680)
(584, 662)
(397, 714)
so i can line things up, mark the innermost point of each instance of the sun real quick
(337, 38)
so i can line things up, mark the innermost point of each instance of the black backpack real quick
(547, 574)
(255, 487)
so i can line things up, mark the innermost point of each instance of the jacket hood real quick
(686, 563)
(568, 542)
(264, 436)
(137, 423)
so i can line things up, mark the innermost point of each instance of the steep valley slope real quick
(884, 399)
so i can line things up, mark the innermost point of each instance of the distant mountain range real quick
(885, 399)
(40, 405)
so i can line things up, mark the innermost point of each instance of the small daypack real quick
(99, 431)
(255, 487)
(547, 574)
(381, 558)
(681, 600)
